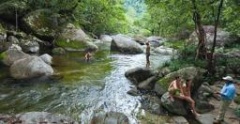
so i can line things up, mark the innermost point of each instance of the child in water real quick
(88, 56)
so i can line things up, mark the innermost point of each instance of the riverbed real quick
(82, 88)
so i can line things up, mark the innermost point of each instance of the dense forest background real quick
(148, 17)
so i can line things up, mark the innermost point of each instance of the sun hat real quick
(228, 78)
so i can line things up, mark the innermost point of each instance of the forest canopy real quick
(146, 17)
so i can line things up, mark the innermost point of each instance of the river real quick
(84, 87)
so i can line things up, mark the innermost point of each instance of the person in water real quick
(181, 90)
(88, 56)
(147, 54)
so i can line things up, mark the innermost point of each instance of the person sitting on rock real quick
(186, 88)
(174, 88)
(180, 90)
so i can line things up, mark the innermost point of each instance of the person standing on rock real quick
(227, 94)
(147, 54)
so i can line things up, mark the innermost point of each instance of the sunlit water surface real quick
(85, 87)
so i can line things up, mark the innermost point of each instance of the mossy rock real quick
(77, 45)
(58, 51)
(186, 73)
(2, 55)
(69, 44)
(164, 82)
(42, 22)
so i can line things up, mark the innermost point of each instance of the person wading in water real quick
(88, 56)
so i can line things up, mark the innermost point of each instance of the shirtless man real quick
(182, 91)
(88, 55)
(147, 54)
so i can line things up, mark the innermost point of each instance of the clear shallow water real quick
(85, 87)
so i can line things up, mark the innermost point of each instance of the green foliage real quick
(175, 44)
(163, 16)
(188, 50)
(164, 83)
(186, 56)
(54, 5)
(94, 16)
(231, 20)
(100, 17)
(164, 19)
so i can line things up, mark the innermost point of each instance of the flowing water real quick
(84, 87)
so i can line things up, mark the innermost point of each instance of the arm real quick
(229, 92)
(189, 85)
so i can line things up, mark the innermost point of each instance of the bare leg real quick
(147, 61)
(192, 104)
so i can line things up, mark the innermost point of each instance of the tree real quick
(102, 16)
(201, 48)
(211, 59)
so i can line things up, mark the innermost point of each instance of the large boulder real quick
(71, 32)
(223, 37)
(194, 73)
(46, 58)
(13, 40)
(156, 41)
(149, 83)
(176, 107)
(13, 54)
(125, 44)
(29, 46)
(30, 67)
(137, 75)
(152, 104)
(73, 38)
(227, 62)
(140, 39)
(106, 39)
(42, 23)
(165, 50)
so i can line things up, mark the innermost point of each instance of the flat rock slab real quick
(178, 120)
(206, 118)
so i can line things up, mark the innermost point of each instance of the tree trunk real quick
(211, 64)
(201, 49)
(16, 19)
